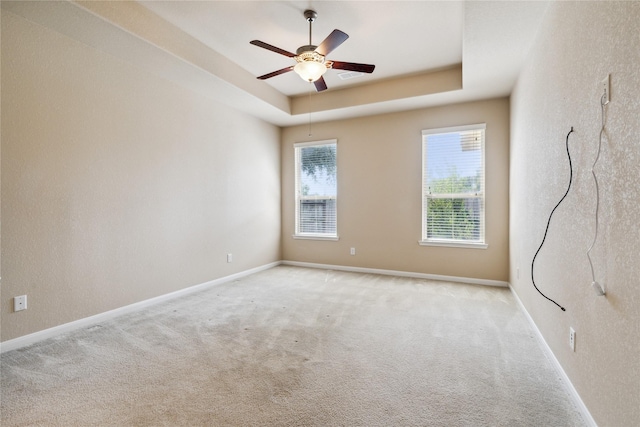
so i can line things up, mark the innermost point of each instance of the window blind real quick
(453, 185)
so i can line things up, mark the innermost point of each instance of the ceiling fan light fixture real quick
(310, 71)
(311, 65)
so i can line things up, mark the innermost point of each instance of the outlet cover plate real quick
(20, 303)
(572, 339)
(606, 87)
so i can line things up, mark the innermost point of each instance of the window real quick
(316, 190)
(453, 197)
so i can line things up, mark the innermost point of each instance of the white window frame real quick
(426, 195)
(299, 196)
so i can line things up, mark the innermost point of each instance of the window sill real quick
(466, 245)
(315, 237)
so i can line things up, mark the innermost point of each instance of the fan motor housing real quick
(307, 48)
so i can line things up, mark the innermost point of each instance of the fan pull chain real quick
(309, 110)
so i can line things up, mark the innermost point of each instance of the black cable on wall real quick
(549, 222)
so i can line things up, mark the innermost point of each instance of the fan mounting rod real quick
(311, 16)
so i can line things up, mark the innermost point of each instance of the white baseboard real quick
(584, 411)
(26, 340)
(400, 273)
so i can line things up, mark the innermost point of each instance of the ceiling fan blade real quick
(352, 66)
(276, 73)
(272, 48)
(320, 84)
(333, 40)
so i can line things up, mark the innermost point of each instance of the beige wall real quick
(379, 187)
(119, 186)
(578, 45)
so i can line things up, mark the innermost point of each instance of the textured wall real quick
(379, 193)
(578, 45)
(119, 186)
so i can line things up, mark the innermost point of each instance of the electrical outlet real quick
(572, 339)
(20, 303)
(517, 272)
(229, 257)
(606, 90)
(353, 251)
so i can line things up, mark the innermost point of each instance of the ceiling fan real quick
(311, 60)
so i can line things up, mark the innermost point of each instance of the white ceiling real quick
(426, 53)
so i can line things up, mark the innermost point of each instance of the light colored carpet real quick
(297, 347)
